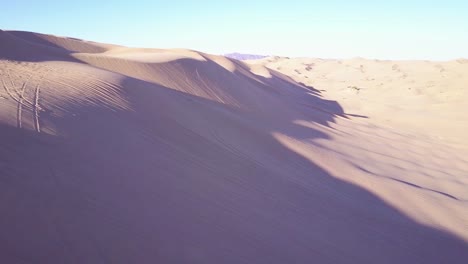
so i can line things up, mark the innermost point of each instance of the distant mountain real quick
(240, 56)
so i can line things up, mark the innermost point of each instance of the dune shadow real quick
(314, 103)
(36, 38)
(34, 47)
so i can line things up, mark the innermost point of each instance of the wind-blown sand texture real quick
(111, 154)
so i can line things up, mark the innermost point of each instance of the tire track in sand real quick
(19, 97)
(36, 108)
(19, 116)
(19, 100)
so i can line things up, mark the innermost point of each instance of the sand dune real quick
(424, 95)
(111, 154)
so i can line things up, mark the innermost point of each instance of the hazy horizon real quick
(419, 30)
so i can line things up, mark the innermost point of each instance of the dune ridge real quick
(123, 155)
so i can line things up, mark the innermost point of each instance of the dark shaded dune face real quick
(17, 49)
(68, 44)
(129, 167)
(35, 47)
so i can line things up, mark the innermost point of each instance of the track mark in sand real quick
(18, 100)
(13, 86)
(199, 78)
(22, 101)
(19, 117)
(8, 91)
(209, 92)
(36, 109)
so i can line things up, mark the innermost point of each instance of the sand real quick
(111, 154)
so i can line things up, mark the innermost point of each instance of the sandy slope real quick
(117, 155)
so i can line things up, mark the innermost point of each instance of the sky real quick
(410, 29)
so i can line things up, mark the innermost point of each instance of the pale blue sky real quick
(395, 29)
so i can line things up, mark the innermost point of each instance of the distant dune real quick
(240, 56)
(111, 154)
